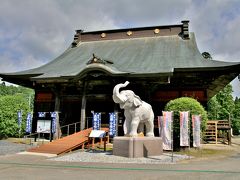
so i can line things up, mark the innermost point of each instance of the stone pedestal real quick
(134, 147)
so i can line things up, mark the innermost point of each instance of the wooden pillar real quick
(58, 132)
(216, 133)
(83, 107)
(229, 131)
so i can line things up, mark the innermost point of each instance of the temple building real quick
(160, 62)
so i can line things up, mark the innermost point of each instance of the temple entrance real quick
(103, 106)
(99, 105)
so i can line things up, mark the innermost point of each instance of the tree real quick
(236, 117)
(12, 99)
(222, 106)
(26, 93)
(213, 107)
(8, 115)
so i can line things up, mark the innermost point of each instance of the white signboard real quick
(43, 126)
(97, 133)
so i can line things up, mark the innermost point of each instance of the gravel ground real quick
(7, 147)
(107, 157)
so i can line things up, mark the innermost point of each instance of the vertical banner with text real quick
(112, 124)
(196, 126)
(167, 130)
(96, 121)
(54, 117)
(19, 114)
(184, 130)
(41, 114)
(29, 123)
(160, 125)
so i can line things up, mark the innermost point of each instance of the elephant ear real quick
(137, 101)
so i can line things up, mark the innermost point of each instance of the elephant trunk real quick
(117, 97)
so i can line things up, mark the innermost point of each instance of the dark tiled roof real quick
(138, 56)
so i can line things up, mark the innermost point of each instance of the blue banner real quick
(96, 121)
(54, 120)
(41, 114)
(19, 114)
(112, 124)
(29, 123)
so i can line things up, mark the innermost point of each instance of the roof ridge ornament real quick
(96, 59)
(185, 30)
(77, 38)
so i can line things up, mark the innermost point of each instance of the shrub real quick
(185, 104)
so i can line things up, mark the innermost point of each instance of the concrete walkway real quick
(22, 166)
(39, 167)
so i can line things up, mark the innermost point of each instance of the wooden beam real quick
(83, 108)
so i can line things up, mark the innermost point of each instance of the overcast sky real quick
(34, 32)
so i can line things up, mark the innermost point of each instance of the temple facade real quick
(160, 62)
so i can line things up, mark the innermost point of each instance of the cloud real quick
(215, 24)
(41, 30)
(145, 13)
(33, 33)
(228, 46)
(9, 63)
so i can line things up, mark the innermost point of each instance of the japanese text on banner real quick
(96, 121)
(184, 130)
(29, 123)
(112, 124)
(167, 130)
(196, 126)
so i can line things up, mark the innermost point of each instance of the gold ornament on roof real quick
(156, 31)
(129, 33)
(103, 35)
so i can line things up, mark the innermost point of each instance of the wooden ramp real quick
(65, 144)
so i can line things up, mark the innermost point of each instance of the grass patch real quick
(17, 140)
(109, 147)
(205, 153)
(28, 141)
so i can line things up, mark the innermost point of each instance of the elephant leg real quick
(126, 127)
(127, 123)
(141, 128)
(149, 129)
(134, 126)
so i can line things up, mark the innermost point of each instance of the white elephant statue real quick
(137, 112)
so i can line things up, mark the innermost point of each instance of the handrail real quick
(69, 124)
(68, 130)
(68, 127)
(75, 125)
(25, 136)
(33, 134)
